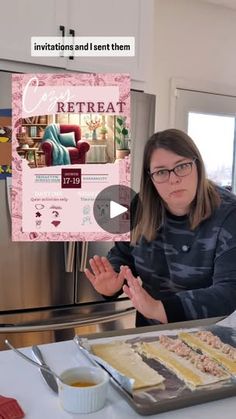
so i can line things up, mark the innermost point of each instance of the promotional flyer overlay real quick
(71, 157)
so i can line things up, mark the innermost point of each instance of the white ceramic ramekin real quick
(83, 399)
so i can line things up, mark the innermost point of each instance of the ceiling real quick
(231, 4)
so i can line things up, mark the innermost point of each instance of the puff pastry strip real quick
(182, 367)
(196, 343)
(124, 359)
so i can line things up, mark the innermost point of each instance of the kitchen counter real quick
(22, 381)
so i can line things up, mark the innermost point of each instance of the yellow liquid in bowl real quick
(83, 384)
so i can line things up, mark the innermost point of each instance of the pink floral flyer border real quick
(37, 192)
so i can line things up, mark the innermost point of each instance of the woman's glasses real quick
(181, 170)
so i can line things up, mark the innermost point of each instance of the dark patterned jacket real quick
(193, 272)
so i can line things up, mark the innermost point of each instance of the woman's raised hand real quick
(103, 277)
(142, 301)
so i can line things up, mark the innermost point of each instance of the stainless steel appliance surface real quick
(45, 295)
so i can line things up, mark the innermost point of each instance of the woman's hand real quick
(142, 301)
(104, 279)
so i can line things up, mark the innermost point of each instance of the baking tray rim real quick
(198, 396)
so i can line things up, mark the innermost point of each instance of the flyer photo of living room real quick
(69, 138)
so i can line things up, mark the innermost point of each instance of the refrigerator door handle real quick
(84, 256)
(99, 318)
(69, 256)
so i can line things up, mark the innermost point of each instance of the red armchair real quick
(77, 153)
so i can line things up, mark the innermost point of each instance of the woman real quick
(181, 264)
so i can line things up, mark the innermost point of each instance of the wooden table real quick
(25, 152)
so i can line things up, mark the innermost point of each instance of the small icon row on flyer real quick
(55, 215)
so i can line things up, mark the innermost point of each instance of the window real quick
(209, 119)
(214, 136)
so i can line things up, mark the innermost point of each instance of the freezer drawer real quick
(44, 326)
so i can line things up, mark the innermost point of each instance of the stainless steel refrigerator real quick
(44, 295)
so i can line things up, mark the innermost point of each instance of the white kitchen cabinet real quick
(114, 18)
(21, 19)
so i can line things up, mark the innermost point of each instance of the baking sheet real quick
(175, 393)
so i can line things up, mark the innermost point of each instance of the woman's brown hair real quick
(150, 209)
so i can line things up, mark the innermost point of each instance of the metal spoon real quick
(27, 358)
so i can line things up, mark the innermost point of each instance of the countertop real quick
(22, 381)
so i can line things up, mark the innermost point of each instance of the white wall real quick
(195, 41)
(5, 98)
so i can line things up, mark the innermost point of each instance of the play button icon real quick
(116, 209)
(113, 211)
